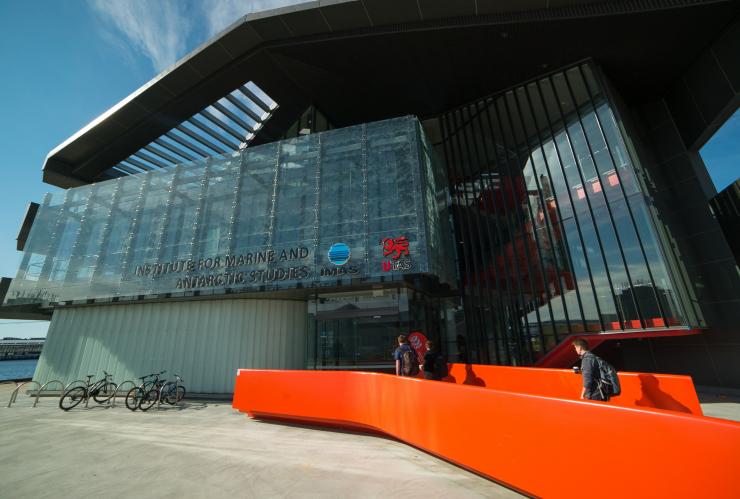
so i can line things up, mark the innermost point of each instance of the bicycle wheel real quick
(133, 397)
(168, 390)
(148, 400)
(72, 398)
(105, 393)
(172, 393)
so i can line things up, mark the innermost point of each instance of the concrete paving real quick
(723, 404)
(206, 449)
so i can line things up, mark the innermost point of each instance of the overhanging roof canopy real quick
(371, 59)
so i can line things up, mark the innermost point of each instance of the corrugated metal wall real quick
(205, 342)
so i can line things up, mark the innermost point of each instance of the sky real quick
(66, 62)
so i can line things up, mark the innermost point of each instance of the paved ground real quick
(720, 405)
(207, 450)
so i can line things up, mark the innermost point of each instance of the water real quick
(17, 369)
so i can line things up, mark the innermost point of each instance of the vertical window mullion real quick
(548, 223)
(587, 196)
(606, 201)
(496, 318)
(518, 219)
(575, 214)
(463, 222)
(626, 201)
(536, 237)
(516, 274)
(466, 165)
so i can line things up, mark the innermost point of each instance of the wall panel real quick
(203, 341)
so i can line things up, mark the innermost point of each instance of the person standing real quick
(589, 370)
(406, 362)
(435, 365)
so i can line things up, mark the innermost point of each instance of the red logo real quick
(398, 245)
(387, 266)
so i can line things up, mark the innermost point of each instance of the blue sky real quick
(66, 62)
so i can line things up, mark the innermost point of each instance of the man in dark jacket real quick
(406, 362)
(589, 370)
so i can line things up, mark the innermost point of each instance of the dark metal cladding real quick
(329, 53)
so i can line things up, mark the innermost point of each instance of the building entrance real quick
(359, 329)
(356, 329)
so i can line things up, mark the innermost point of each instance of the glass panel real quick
(269, 217)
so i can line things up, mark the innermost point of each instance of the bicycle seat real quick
(90, 376)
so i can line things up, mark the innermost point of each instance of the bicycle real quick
(101, 391)
(151, 396)
(135, 395)
(172, 392)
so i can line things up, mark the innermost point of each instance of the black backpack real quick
(409, 362)
(608, 379)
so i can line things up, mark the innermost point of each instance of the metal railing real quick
(14, 395)
(118, 390)
(38, 393)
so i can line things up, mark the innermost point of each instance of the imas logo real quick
(339, 253)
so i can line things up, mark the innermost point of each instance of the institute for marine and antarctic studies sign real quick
(290, 264)
(230, 270)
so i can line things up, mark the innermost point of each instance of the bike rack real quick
(159, 394)
(14, 395)
(73, 382)
(113, 401)
(38, 393)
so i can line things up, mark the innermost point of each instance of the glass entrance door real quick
(357, 329)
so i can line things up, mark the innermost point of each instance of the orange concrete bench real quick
(660, 391)
(540, 445)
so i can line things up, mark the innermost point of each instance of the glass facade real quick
(553, 229)
(366, 203)
(359, 329)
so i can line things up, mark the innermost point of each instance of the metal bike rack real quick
(14, 395)
(113, 401)
(73, 382)
(38, 393)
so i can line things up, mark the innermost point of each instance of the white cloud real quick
(219, 14)
(165, 30)
(157, 28)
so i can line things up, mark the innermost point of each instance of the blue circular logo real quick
(339, 253)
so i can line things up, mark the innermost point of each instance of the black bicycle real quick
(135, 395)
(101, 391)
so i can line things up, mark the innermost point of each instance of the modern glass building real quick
(355, 187)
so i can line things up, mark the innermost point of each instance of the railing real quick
(118, 390)
(43, 387)
(14, 395)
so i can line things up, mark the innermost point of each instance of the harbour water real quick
(17, 369)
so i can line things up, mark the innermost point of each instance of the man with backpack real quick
(406, 362)
(600, 381)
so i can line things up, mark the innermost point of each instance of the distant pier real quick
(20, 349)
